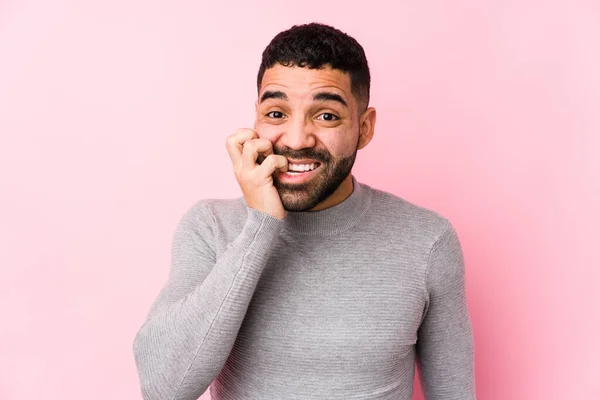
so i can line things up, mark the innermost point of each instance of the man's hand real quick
(256, 181)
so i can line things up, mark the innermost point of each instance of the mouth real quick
(297, 168)
(299, 172)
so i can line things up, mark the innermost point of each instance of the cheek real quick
(340, 143)
(267, 131)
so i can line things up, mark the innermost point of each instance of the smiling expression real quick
(312, 118)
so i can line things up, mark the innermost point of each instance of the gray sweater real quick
(333, 304)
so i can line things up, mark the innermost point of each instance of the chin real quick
(304, 199)
(293, 203)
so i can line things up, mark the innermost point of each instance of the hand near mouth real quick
(254, 164)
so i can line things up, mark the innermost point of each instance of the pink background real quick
(113, 118)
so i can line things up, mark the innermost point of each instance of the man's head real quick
(313, 96)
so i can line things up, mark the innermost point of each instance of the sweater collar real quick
(332, 220)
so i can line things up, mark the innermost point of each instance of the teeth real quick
(301, 167)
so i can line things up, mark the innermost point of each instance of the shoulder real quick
(215, 212)
(397, 215)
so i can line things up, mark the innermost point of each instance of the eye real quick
(275, 114)
(328, 117)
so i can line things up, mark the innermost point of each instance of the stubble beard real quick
(332, 172)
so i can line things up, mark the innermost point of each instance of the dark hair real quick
(317, 46)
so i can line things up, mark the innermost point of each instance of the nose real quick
(297, 134)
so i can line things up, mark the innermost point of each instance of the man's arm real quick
(445, 350)
(192, 325)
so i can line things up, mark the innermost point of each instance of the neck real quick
(343, 191)
(336, 216)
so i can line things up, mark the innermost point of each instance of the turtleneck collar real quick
(332, 220)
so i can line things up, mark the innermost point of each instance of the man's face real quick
(312, 119)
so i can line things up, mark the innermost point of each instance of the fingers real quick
(252, 148)
(244, 147)
(235, 144)
(271, 163)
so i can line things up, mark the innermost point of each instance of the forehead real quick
(298, 80)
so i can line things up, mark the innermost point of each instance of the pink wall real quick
(113, 118)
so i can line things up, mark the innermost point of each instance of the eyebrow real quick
(273, 95)
(329, 96)
(322, 96)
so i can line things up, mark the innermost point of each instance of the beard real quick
(305, 196)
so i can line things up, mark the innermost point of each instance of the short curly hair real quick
(317, 46)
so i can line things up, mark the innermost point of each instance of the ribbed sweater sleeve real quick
(192, 325)
(445, 351)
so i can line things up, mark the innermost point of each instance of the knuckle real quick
(245, 132)
(250, 145)
(232, 139)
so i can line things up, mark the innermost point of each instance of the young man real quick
(312, 285)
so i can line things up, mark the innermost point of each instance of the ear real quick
(367, 127)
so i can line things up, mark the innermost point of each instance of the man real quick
(312, 285)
